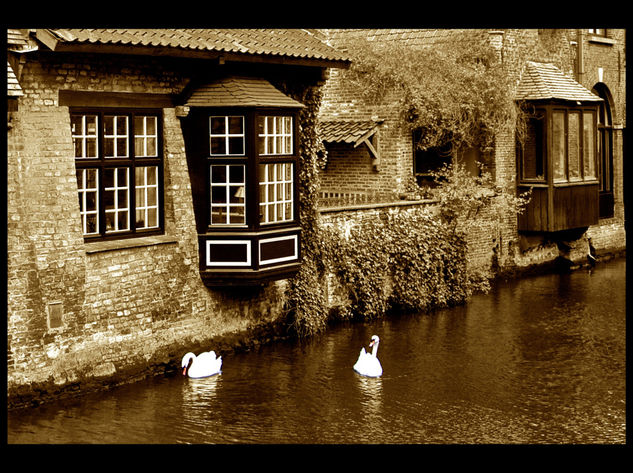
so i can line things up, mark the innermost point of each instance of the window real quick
(597, 31)
(243, 167)
(275, 190)
(530, 151)
(226, 135)
(119, 168)
(604, 152)
(228, 198)
(573, 145)
(275, 135)
(228, 180)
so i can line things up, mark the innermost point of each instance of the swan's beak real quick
(371, 344)
(184, 371)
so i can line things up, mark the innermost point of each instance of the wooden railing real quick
(343, 198)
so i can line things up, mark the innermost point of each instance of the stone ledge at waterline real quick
(165, 361)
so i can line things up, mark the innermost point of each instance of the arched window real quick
(605, 151)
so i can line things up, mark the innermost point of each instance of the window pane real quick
(108, 177)
(218, 215)
(236, 194)
(84, 134)
(573, 145)
(218, 174)
(236, 125)
(236, 145)
(139, 147)
(226, 135)
(274, 135)
(532, 150)
(228, 200)
(275, 191)
(237, 215)
(589, 157)
(236, 174)
(151, 147)
(218, 125)
(218, 195)
(558, 146)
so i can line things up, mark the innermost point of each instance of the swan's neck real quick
(374, 349)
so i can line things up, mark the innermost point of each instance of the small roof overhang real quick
(541, 81)
(240, 92)
(354, 132)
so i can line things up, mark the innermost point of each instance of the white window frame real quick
(227, 205)
(115, 137)
(226, 136)
(275, 200)
(276, 129)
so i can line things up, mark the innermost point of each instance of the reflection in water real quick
(371, 408)
(539, 360)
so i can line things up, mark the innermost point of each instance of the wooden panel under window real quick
(279, 249)
(575, 207)
(534, 217)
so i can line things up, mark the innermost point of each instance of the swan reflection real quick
(371, 388)
(199, 391)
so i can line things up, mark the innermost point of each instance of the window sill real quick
(601, 40)
(114, 245)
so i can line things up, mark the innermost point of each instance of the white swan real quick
(367, 363)
(201, 366)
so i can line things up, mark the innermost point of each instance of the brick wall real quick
(351, 168)
(126, 306)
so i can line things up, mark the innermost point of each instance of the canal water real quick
(537, 360)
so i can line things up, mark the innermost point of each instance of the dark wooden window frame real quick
(101, 163)
(561, 205)
(605, 153)
(257, 238)
(547, 143)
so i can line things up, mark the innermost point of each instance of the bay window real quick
(557, 159)
(241, 142)
(118, 164)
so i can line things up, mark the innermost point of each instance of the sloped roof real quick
(541, 81)
(280, 43)
(346, 131)
(13, 87)
(409, 36)
(240, 92)
(16, 40)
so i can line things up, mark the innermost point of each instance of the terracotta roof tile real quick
(295, 43)
(240, 92)
(545, 81)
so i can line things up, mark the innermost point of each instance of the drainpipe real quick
(580, 56)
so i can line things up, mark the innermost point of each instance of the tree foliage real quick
(462, 197)
(457, 91)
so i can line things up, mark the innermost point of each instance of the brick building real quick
(576, 78)
(150, 173)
